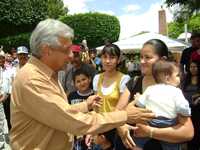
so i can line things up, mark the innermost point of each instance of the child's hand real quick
(197, 101)
(88, 140)
(137, 96)
(97, 103)
(94, 102)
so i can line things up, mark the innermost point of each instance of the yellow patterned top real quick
(109, 100)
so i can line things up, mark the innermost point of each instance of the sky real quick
(135, 16)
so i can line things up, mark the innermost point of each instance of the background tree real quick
(192, 5)
(176, 27)
(18, 16)
(194, 22)
(186, 12)
(15, 41)
(95, 27)
(182, 13)
(184, 9)
(56, 9)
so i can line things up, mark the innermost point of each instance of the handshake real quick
(134, 114)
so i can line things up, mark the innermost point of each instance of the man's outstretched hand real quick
(138, 115)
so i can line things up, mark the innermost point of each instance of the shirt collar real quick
(43, 67)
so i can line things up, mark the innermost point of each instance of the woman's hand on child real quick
(143, 131)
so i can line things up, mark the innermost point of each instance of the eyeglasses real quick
(62, 49)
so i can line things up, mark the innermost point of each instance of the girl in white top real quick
(111, 83)
(111, 80)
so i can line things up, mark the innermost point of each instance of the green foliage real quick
(95, 27)
(175, 29)
(18, 16)
(56, 8)
(15, 41)
(185, 9)
(182, 2)
(182, 14)
(21, 16)
(20, 12)
(194, 5)
(194, 23)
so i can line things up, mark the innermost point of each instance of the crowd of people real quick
(10, 64)
(62, 96)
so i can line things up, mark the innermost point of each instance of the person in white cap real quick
(22, 55)
(20, 61)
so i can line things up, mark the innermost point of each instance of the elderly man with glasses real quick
(41, 117)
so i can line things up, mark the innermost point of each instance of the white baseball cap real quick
(22, 50)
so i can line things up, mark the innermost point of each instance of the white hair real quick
(48, 32)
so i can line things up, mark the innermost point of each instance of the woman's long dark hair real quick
(188, 76)
(160, 47)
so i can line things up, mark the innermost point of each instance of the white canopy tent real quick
(135, 43)
(185, 36)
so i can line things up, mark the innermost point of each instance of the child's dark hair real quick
(93, 50)
(79, 72)
(111, 49)
(162, 68)
(111, 137)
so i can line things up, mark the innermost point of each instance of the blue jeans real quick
(140, 142)
(160, 122)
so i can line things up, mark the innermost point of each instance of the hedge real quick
(20, 16)
(95, 27)
(15, 41)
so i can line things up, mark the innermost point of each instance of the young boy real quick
(164, 99)
(82, 83)
(106, 140)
